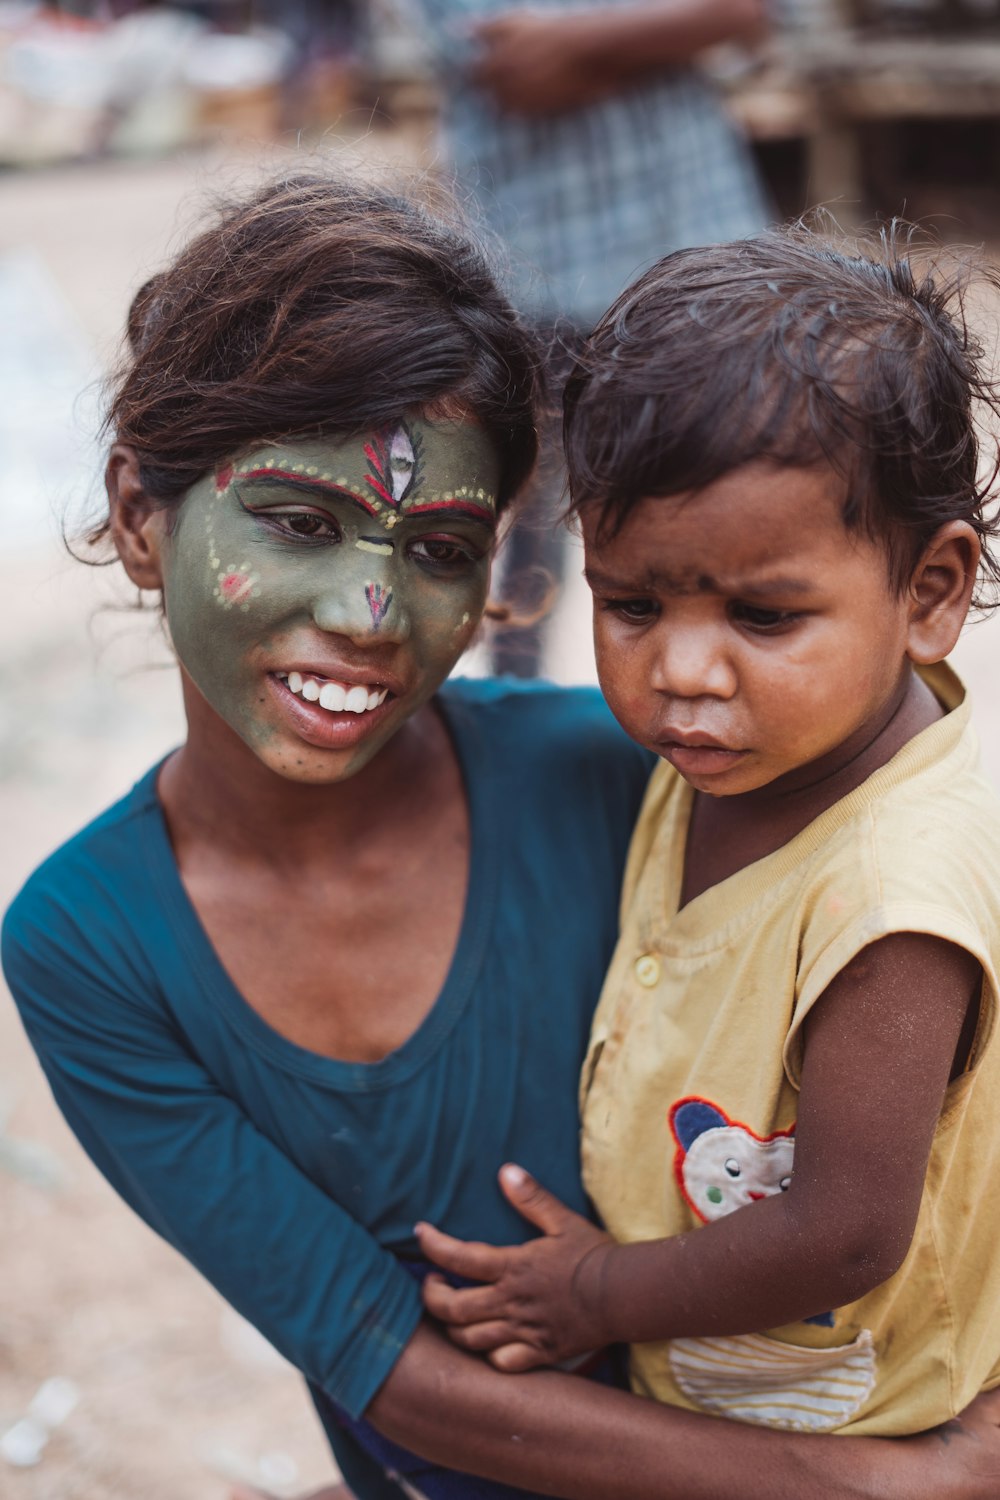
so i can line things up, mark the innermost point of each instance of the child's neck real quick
(725, 834)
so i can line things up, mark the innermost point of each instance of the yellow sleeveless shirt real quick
(689, 1090)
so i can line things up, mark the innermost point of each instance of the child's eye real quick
(636, 610)
(442, 552)
(764, 621)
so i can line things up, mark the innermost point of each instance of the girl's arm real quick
(879, 1049)
(565, 1436)
(187, 1158)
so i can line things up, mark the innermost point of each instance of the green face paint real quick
(300, 575)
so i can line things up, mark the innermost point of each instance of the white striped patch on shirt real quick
(753, 1378)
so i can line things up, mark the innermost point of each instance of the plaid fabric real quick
(585, 201)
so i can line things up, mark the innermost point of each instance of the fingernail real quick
(514, 1176)
(418, 1229)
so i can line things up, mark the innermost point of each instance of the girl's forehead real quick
(411, 458)
(413, 468)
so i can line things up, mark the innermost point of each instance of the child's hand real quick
(542, 1302)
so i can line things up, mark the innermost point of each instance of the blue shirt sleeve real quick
(187, 1159)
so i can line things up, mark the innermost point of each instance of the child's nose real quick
(693, 663)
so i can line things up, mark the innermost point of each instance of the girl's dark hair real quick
(318, 307)
(783, 347)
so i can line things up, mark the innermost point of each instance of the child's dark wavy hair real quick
(787, 348)
(318, 307)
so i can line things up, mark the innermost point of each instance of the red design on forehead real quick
(395, 464)
(223, 477)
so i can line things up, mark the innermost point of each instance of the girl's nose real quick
(365, 606)
(693, 662)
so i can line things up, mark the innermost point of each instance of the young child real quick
(774, 460)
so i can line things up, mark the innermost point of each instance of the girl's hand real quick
(542, 1301)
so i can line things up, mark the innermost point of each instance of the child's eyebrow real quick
(766, 588)
(655, 582)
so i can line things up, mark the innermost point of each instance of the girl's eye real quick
(306, 524)
(764, 621)
(441, 552)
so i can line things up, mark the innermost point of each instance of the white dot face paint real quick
(368, 557)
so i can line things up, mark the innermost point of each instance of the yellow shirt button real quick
(647, 970)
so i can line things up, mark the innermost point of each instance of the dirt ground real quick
(175, 1394)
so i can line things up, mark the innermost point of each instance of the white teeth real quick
(336, 697)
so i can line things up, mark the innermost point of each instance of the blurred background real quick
(121, 1375)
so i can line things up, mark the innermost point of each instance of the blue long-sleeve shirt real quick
(291, 1180)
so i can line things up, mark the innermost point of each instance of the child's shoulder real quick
(916, 848)
(930, 815)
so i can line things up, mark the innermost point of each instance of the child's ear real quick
(137, 523)
(940, 592)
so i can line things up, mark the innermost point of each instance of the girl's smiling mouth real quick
(326, 712)
(336, 697)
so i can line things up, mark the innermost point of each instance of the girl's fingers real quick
(462, 1257)
(515, 1359)
(481, 1337)
(460, 1306)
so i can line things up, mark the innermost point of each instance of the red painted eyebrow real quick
(308, 481)
(455, 504)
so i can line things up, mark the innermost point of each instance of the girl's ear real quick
(137, 523)
(940, 592)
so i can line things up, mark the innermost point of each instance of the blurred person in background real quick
(591, 141)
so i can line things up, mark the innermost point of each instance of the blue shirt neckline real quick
(485, 832)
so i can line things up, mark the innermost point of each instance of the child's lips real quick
(696, 754)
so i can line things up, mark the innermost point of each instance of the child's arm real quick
(879, 1049)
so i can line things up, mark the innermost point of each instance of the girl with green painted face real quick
(329, 965)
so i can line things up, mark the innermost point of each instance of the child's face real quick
(742, 632)
(318, 593)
